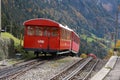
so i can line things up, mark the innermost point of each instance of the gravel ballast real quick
(48, 69)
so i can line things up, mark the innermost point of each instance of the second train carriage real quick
(48, 36)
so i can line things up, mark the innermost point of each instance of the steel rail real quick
(18, 68)
(85, 78)
(78, 69)
(66, 69)
(24, 70)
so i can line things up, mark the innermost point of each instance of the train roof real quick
(40, 22)
(44, 22)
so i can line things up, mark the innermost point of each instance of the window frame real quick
(40, 31)
(31, 31)
(54, 32)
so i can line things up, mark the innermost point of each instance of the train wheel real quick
(54, 54)
(45, 54)
(36, 53)
(73, 54)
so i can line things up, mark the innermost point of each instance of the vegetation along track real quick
(69, 71)
(14, 71)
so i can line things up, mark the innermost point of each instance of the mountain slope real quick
(86, 17)
(80, 15)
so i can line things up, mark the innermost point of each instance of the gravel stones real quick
(47, 70)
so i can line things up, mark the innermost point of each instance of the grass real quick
(25, 56)
(94, 38)
(89, 39)
(8, 35)
(57, 63)
(28, 55)
(14, 61)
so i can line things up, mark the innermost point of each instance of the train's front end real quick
(41, 35)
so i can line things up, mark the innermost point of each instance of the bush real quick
(83, 55)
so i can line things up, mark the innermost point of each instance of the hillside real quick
(86, 17)
(7, 43)
(81, 15)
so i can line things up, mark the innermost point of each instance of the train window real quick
(68, 35)
(54, 32)
(46, 32)
(30, 31)
(39, 31)
(63, 33)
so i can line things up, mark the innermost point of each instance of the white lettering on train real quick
(41, 41)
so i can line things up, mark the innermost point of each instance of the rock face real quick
(6, 48)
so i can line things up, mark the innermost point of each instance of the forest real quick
(94, 21)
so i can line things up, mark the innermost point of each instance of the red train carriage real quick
(47, 36)
(75, 42)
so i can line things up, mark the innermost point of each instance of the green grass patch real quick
(18, 47)
(14, 61)
(85, 37)
(60, 61)
(28, 55)
(8, 35)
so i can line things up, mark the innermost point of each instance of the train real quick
(48, 36)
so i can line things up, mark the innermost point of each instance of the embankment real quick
(6, 48)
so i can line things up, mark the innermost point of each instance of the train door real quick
(29, 37)
(46, 34)
(54, 39)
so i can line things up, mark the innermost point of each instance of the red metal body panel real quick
(75, 42)
(35, 42)
(75, 47)
(41, 42)
(48, 43)
(65, 39)
(65, 44)
(54, 43)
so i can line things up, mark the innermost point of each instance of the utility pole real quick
(0, 17)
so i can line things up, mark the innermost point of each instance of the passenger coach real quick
(47, 36)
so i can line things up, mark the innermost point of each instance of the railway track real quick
(13, 71)
(84, 73)
(10, 73)
(71, 73)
